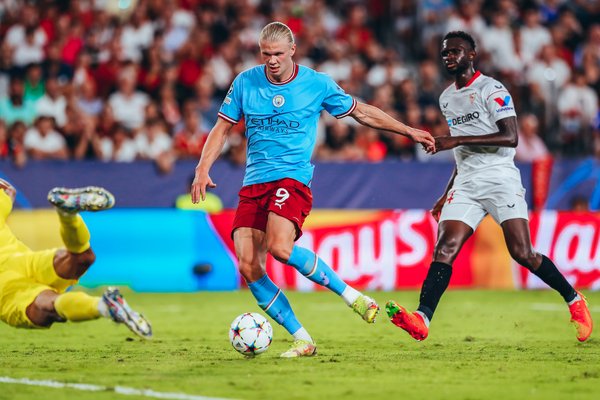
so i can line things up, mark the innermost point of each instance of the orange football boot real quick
(581, 318)
(412, 323)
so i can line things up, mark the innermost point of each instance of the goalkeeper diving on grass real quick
(33, 284)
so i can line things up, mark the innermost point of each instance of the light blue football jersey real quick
(281, 120)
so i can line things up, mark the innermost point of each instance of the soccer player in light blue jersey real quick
(280, 102)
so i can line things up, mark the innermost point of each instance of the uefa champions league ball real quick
(250, 334)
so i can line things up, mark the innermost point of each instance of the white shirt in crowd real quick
(152, 147)
(129, 110)
(51, 142)
(54, 108)
(127, 152)
(550, 77)
(15, 36)
(135, 40)
(578, 102)
(532, 40)
(530, 149)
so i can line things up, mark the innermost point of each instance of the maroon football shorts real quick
(286, 197)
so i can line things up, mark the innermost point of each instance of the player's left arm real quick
(376, 118)
(505, 137)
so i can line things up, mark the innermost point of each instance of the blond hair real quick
(276, 31)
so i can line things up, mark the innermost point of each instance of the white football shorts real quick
(471, 201)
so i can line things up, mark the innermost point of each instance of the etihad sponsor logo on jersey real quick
(504, 104)
(463, 119)
(273, 124)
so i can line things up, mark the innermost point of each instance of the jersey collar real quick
(291, 78)
(476, 75)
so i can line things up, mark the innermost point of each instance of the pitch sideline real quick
(127, 391)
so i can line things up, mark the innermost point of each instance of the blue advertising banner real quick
(385, 185)
(158, 251)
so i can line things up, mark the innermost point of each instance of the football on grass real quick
(250, 334)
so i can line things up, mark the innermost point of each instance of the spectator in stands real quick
(4, 141)
(467, 17)
(549, 72)
(532, 36)
(368, 140)
(389, 70)
(34, 83)
(154, 143)
(79, 131)
(15, 107)
(53, 64)
(16, 137)
(338, 65)
(43, 142)
(354, 31)
(578, 108)
(206, 104)
(150, 76)
(339, 144)
(169, 108)
(28, 20)
(73, 43)
(590, 57)
(6, 69)
(531, 147)
(498, 40)
(29, 51)
(53, 103)
(107, 72)
(137, 34)
(398, 146)
(189, 140)
(429, 82)
(87, 100)
(235, 148)
(127, 103)
(119, 146)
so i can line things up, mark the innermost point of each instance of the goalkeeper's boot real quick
(300, 348)
(366, 307)
(90, 198)
(120, 312)
(581, 318)
(413, 323)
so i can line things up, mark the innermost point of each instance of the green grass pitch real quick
(483, 345)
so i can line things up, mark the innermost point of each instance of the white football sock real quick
(302, 334)
(350, 295)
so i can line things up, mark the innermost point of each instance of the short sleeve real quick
(499, 102)
(336, 102)
(231, 108)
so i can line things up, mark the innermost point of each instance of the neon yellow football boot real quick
(300, 348)
(366, 307)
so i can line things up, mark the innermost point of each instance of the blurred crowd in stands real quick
(122, 80)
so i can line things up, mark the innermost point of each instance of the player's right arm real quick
(211, 151)
(229, 115)
(437, 207)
